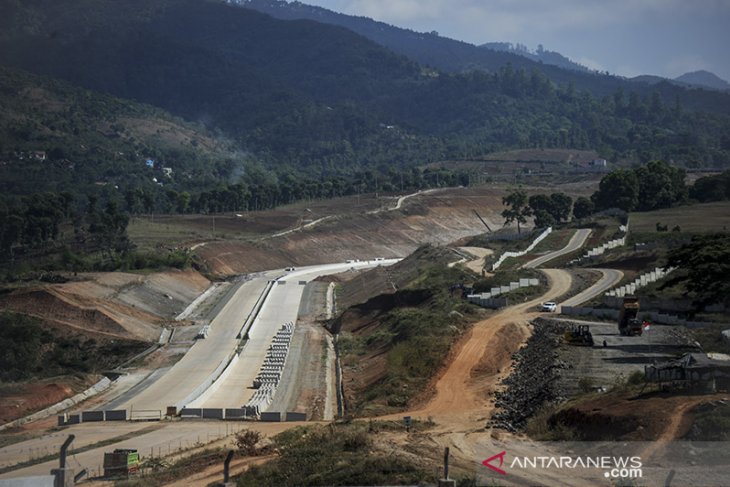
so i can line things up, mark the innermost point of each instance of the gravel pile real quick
(534, 381)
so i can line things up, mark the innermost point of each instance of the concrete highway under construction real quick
(207, 376)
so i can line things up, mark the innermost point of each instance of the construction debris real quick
(534, 381)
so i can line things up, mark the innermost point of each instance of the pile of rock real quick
(534, 380)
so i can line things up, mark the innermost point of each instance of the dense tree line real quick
(705, 267)
(651, 187)
(259, 189)
(711, 188)
(34, 223)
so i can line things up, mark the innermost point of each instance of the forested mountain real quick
(540, 54)
(58, 137)
(320, 100)
(452, 56)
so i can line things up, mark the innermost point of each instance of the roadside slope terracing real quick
(114, 304)
(94, 324)
(437, 217)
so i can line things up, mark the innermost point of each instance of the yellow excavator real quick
(578, 335)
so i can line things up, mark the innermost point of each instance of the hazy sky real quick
(626, 37)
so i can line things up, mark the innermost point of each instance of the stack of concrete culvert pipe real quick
(270, 373)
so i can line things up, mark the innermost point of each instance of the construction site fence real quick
(242, 414)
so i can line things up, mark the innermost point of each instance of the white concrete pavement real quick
(281, 306)
(205, 355)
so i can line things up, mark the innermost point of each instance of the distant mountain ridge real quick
(453, 56)
(704, 78)
(695, 79)
(539, 55)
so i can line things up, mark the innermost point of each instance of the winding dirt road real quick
(488, 347)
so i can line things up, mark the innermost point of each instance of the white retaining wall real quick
(507, 255)
(601, 249)
(641, 281)
(488, 300)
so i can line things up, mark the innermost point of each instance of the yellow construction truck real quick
(628, 321)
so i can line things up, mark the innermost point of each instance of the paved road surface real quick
(610, 278)
(576, 242)
(205, 355)
(281, 307)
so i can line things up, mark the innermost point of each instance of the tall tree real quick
(583, 207)
(618, 189)
(517, 208)
(561, 205)
(660, 185)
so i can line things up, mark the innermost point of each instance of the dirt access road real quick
(480, 360)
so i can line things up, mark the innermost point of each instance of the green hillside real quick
(302, 96)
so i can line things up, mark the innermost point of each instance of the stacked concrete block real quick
(271, 371)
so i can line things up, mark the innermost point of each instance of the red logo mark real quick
(487, 463)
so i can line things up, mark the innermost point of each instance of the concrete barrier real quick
(115, 415)
(235, 413)
(294, 416)
(191, 413)
(89, 416)
(271, 416)
(213, 413)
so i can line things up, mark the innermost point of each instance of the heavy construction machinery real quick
(121, 463)
(579, 335)
(628, 321)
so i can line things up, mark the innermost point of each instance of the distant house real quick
(599, 163)
(38, 155)
(167, 171)
(150, 162)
